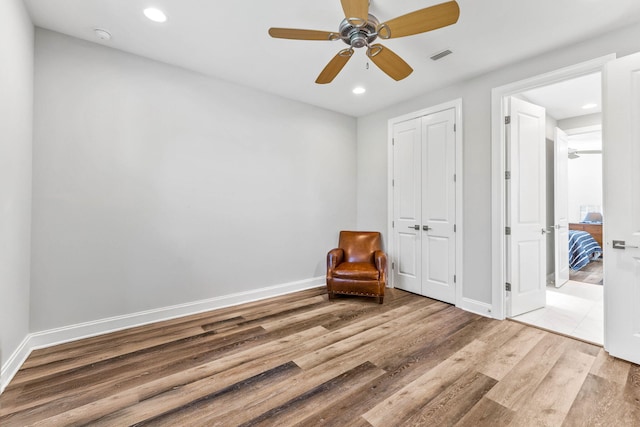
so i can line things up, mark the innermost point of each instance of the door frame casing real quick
(456, 104)
(498, 149)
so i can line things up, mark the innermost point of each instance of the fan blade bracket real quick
(374, 50)
(346, 52)
(356, 22)
(356, 12)
(383, 31)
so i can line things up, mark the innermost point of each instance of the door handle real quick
(620, 244)
(545, 230)
(426, 228)
(415, 227)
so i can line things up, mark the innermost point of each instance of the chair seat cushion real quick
(356, 270)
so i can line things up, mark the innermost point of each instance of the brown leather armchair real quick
(358, 266)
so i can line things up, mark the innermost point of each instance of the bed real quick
(583, 249)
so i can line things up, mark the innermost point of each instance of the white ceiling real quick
(229, 40)
(565, 99)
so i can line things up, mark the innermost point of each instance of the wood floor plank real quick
(516, 388)
(409, 361)
(133, 396)
(423, 389)
(599, 403)
(451, 405)
(358, 341)
(610, 368)
(405, 367)
(297, 410)
(511, 353)
(550, 403)
(486, 413)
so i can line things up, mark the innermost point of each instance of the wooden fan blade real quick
(389, 62)
(421, 21)
(356, 11)
(334, 66)
(295, 34)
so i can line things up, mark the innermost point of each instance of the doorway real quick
(621, 179)
(533, 91)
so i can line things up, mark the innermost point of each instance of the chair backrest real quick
(359, 246)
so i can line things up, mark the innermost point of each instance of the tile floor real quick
(575, 309)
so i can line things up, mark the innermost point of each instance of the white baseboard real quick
(477, 307)
(13, 364)
(37, 340)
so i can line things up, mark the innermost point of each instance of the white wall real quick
(585, 184)
(155, 186)
(476, 95)
(16, 117)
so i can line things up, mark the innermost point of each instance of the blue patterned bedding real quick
(582, 249)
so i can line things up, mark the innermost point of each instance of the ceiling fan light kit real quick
(359, 29)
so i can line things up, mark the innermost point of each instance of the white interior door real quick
(438, 206)
(407, 205)
(621, 167)
(561, 207)
(526, 215)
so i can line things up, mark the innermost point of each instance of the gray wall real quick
(476, 95)
(155, 186)
(16, 116)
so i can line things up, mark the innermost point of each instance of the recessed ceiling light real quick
(102, 34)
(359, 90)
(589, 106)
(156, 15)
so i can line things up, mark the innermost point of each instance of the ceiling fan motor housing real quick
(359, 35)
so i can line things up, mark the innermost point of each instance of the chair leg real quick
(331, 295)
(380, 300)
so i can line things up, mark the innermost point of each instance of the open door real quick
(561, 207)
(621, 167)
(526, 204)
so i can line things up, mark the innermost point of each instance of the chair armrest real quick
(381, 264)
(334, 258)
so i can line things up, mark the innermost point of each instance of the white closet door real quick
(406, 197)
(424, 205)
(438, 206)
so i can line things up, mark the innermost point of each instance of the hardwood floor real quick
(302, 360)
(590, 273)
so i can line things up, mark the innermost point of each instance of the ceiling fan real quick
(360, 29)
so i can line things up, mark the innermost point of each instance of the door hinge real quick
(455, 127)
(454, 228)
(507, 287)
(393, 182)
(393, 224)
(393, 141)
(507, 120)
(393, 265)
(455, 177)
(507, 231)
(507, 175)
(454, 278)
